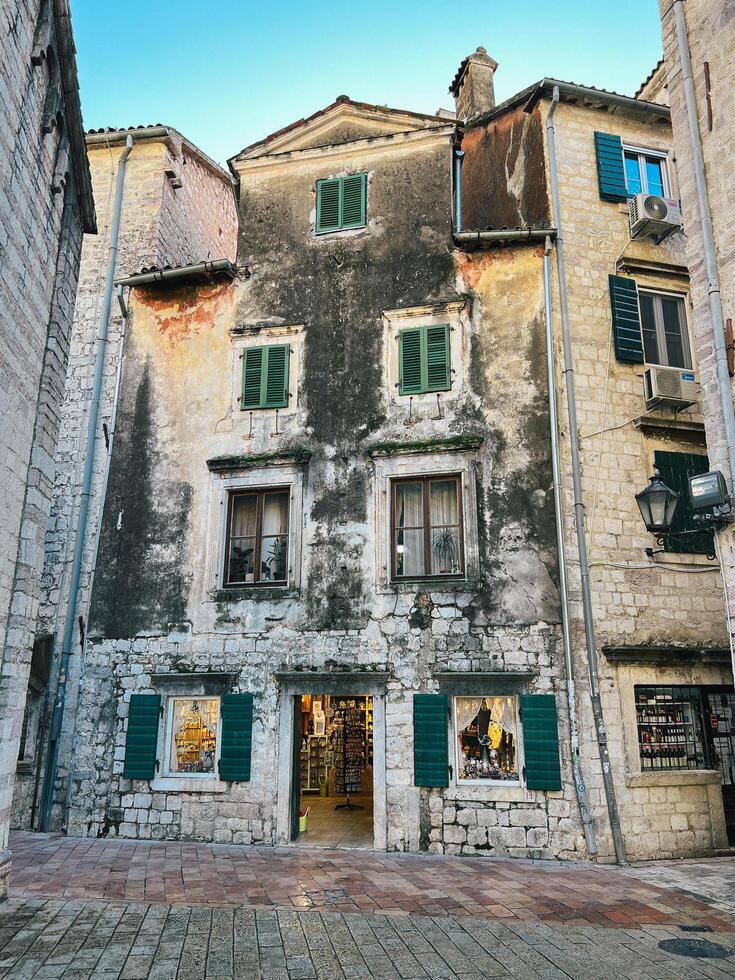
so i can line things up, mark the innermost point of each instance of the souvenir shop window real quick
(257, 538)
(670, 728)
(487, 747)
(193, 730)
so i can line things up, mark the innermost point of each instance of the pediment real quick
(342, 122)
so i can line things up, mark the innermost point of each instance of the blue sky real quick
(227, 74)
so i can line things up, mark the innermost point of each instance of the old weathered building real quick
(178, 206)
(328, 560)
(45, 206)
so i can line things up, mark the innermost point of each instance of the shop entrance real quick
(332, 774)
(719, 709)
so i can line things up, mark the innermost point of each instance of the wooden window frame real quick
(426, 481)
(641, 152)
(259, 493)
(168, 772)
(658, 295)
(509, 783)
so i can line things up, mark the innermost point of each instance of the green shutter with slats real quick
(626, 320)
(540, 741)
(353, 201)
(236, 740)
(424, 360)
(265, 377)
(675, 470)
(328, 193)
(341, 203)
(430, 748)
(141, 741)
(610, 167)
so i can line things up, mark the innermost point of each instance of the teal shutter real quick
(675, 470)
(540, 741)
(437, 358)
(430, 750)
(610, 167)
(353, 201)
(141, 743)
(626, 320)
(409, 367)
(236, 741)
(328, 193)
(252, 377)
(275, 377)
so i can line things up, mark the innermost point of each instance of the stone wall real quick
(160, 226)
(42, 210)
(711, 32)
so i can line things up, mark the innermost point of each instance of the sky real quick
(227, 74)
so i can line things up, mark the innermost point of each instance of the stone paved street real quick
(234, 912)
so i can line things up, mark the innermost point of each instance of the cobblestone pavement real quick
(52, 866)
(86, 940)
(710, 880)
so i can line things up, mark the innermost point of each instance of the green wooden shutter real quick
(675, 470)
(409, 356)
(275, 377)
(610, 167)
(430, 751)
(252, 377)
(626, 320)
(236, 741)
(438, 367)
(353, 201)
(328, 193)
(141, 743)
(540, 741)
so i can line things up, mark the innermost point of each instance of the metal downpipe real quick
(589, 625)
(584, 812)
(458, 157)
(71, 609)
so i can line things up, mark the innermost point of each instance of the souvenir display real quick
(486, 738)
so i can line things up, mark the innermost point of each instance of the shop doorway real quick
(332, 770)
(719, 710)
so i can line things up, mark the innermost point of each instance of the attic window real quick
(173, 179)
(341, 203)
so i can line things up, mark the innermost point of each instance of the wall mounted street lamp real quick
(657, 504)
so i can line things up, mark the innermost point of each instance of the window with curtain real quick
(193, 728)
(257, 538)
(427, 527)
(645, 172)
(486, 738)
(664, 329)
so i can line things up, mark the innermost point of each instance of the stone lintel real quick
(483, 682)
(668, 656)
(340, 682)
(298, 456)
(463, 443)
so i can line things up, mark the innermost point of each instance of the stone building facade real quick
(178, 207)
(370, 351)
(45, 206)
(709, 26)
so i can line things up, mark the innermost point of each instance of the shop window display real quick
(486, 739)
(194, 723)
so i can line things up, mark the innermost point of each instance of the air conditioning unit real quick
(653, 215)
(667, 387)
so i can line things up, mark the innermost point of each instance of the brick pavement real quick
(88, 940)
(52, 866)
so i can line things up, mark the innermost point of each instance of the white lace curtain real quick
(501, 712)
(210, 714)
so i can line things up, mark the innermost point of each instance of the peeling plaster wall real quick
(178, 411)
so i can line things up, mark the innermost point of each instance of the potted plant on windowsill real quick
(445, 549)
(275, 562)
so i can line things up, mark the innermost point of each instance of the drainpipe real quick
(584, 812)
(458, 157)
(71, 609)
(589, 625)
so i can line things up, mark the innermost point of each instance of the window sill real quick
(183, 784)
(674, 777)
(486, 793)
(254, 592)
(430, 585)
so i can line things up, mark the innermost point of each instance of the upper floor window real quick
(265, 377)
(645, 171)
(341, 203)
(427, 527)
(664, 329)
(256, 551)
(424, 360)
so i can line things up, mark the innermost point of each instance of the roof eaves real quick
(157, 131)
(649, 76)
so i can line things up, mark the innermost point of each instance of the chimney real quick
(472, 87)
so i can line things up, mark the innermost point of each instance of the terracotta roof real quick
(158, 131)
(649, 76)
(340, 100)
